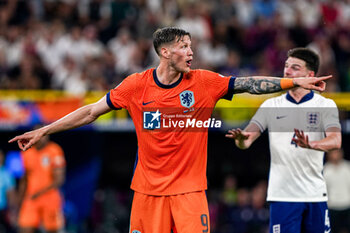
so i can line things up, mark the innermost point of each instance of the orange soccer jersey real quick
(39, 165)
(46, 208)
(172, 157)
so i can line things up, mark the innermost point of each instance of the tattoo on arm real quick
(257, 85)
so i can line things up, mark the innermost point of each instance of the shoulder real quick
(347, 163)
(203, 73)
(27, 153)
(137, 79)
(54, 147)
(323, 101)
(274, 101)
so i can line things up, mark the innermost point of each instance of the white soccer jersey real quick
(296, 173)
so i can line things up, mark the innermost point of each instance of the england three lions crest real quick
(187, 99)
(313, 118)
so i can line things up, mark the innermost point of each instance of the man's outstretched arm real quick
(79, 117)
(332, 141)
(263, 85)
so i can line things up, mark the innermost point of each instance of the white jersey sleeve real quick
(330, 115)
(261, 116)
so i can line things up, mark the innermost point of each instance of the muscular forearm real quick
(79, 117)
(326, 144)
(257, 84)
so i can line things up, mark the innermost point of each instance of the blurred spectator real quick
(91, 46)
(286, 9)
(18, 11)
(29, 74)
(343, 7)
(7, 198)
(329, 12)
(94, 75)
(229, 194)
(245, 12)
(336, 173)
(169, 12)
(213, 53)
(264, 8)
(191, 21)
(72, 45)
(94, 11)
(260, 221)
(67, 70)
(47, 45)
(312, 7)
(275, 54)
(236, 219)
(342, 56)
(298, 33)
(322, 46)
(224, 10)
(147, 23)
(258, 36)
(109, 70)
(232, 66)
(122, 46)
(13, 45)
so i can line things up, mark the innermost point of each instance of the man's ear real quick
(311, 73)
(165, 52)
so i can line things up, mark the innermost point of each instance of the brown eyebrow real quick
(293, 65)
(296, 65)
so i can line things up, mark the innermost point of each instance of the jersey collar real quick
(156, 80)
(306, 97)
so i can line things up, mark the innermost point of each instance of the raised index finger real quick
(322, 78)
(15, 139)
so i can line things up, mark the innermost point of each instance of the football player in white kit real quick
(302, 125)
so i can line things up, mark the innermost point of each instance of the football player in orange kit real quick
(169, 180)
(40, 198)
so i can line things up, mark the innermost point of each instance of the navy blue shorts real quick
(297, 217)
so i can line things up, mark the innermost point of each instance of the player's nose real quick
(190, 52)
(287, 72)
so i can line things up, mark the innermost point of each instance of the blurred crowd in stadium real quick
(85, 45)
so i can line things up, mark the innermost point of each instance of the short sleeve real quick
(120, 96)
(331, 115)
(261, 116)
(218, 85)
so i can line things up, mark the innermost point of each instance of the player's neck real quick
(166, 75)
(298, 93)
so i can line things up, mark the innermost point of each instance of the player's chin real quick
(186, 69)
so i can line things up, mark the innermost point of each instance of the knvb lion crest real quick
(187, 99)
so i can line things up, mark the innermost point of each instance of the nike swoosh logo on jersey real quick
(329, 230)
(143, 103)
(280, 117)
